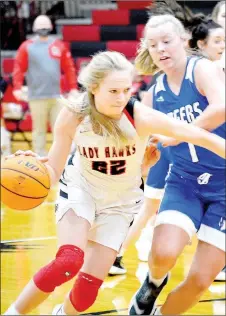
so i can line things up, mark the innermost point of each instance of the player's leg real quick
(74, 220)
(208, 260)
(72, 234)
(221, 276)
(105, 238)
(144, 215)
(90, 279)
(153, 192)
(174, 229)
(145, 229)
(200, 277)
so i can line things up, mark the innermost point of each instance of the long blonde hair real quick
(143, 61)
(216, 10)
(101, 64)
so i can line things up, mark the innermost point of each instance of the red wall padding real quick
(110, 17)
(122, 4)
(128, 48)
(139, 31)
(81, 33)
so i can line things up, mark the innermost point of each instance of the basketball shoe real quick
(117, 267)
(143, 301)
(58, 310)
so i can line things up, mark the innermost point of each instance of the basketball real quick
(25, 182)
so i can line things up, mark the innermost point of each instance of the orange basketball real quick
(25, 182)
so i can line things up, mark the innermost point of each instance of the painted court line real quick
(28, 239)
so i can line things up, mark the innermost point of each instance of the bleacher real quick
(89, 26)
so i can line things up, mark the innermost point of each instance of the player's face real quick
(165, 46)
(215, 44)
(221, 16)
(113, 93)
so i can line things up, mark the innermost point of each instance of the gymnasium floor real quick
(28, 242)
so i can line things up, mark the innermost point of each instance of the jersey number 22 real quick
(113, 167)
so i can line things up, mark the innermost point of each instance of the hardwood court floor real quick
(28, 242)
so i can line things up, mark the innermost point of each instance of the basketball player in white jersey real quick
(100, 185)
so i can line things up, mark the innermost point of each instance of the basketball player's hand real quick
(27, 153)
(165, 141)
(151, 156)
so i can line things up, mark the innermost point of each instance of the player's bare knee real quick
(84, 291)
(163, 257)
(199, 282)
(69, 260)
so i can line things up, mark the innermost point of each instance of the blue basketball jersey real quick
(186, 106)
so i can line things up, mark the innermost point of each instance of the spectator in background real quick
(42, 59)
(218, 13)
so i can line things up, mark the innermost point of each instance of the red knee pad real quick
(84, 291)
(69, 260)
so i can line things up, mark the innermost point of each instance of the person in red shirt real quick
(43, 59)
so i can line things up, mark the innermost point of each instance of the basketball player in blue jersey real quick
(194, 199)
(207, 37)
(100, 184)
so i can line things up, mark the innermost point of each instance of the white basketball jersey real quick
(111, 175)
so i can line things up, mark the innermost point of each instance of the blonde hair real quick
(143, 61)
(91, 76)
(216, 10)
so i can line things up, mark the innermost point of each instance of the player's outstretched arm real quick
(63, 135)
(211, 84)
(149, 121)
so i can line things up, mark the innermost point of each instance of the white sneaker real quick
(117, 268)
(221, 276)
(58, 310)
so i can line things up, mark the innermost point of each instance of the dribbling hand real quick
(165, 141)
(151, 157)
(27, 153)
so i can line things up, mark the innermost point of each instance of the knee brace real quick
(84, 291)
(69, 260)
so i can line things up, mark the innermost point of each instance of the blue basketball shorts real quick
(197, 205)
